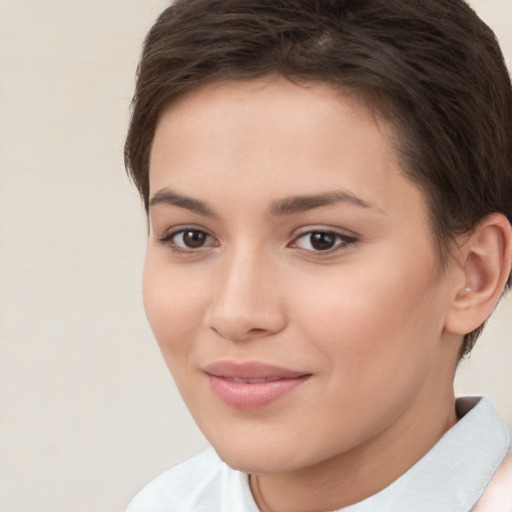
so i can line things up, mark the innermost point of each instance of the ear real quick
(485, 262)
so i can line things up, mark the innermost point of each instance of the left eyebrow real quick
(298, 204)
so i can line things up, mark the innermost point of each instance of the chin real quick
(255, 455)
(257, 461)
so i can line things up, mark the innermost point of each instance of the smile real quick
(252, 385)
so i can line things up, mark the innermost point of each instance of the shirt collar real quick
(452, 476)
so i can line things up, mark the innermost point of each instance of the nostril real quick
(237, 329)
(256, 330)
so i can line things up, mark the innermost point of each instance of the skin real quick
(366, 319)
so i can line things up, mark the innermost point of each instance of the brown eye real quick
(323, 241)
(192, 238)
(188, 240)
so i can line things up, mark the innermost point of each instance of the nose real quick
(247, 302)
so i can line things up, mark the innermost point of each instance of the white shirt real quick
(451, 477)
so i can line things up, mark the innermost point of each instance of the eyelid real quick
(167, 237)
(344, 240)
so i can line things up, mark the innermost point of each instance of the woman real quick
(329, 193)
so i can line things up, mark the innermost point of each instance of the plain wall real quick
(88, 411)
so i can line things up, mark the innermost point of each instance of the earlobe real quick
(486, 262)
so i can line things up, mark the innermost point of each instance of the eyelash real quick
(341, 241)
(168, 240)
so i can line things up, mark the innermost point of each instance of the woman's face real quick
(290, 278)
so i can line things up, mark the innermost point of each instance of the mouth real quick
(252, 385)
(251, 381)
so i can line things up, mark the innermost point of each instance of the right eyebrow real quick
(166, 196)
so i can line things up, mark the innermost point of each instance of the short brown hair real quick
(431, 67)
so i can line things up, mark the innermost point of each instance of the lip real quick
(251, 385)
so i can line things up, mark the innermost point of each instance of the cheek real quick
(371, 321)
(377, 342)
(173, 302)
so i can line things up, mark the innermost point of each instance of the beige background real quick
(88, 412)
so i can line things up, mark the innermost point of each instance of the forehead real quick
(273, 137)
(273, 94)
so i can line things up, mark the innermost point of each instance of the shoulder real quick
(498, 495)
(179, 486)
